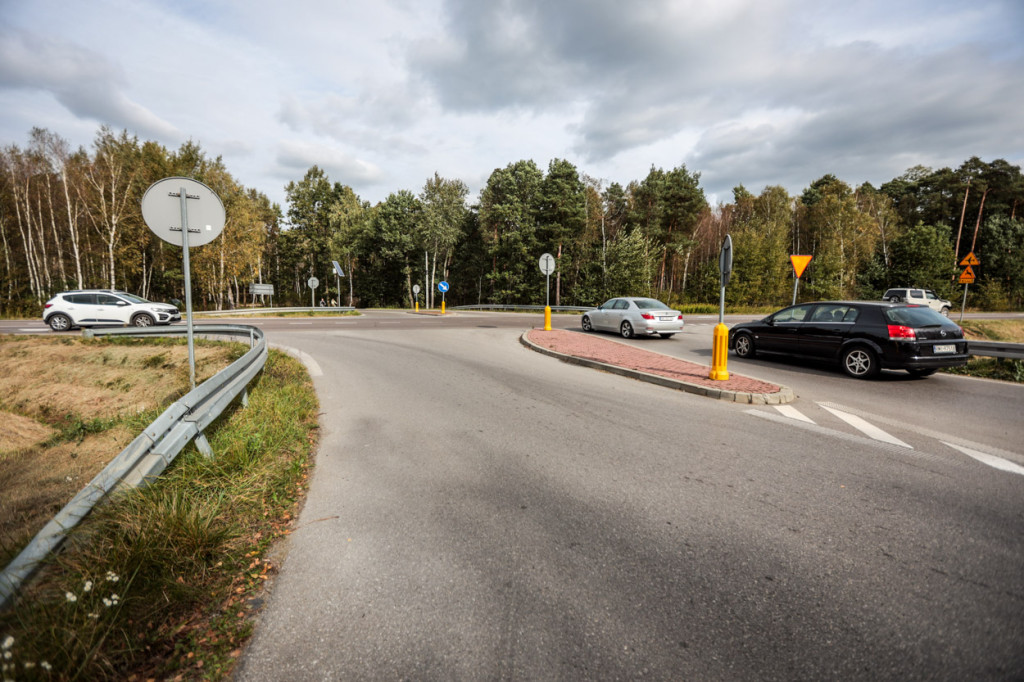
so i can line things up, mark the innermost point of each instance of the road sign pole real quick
(963, 304)
(188, 288)
(796, 283)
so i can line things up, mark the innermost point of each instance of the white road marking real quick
(793, 413)
(991, 460)
(293, 323)
(867, 428)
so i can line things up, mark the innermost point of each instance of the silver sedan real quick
(631, 316)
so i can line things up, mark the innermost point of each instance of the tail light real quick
(679, 317)
(47, 305)
(899, 332)
(647, 316)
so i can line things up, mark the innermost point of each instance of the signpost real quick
(338, 274)
(416, 295)
(185, 213)
(967, 278)
(443, 288)
(799, 265)
(720, 344)
(547, 266)
(256, 289)
(313, 283)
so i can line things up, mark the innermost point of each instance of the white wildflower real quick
(29, 665)
(8, 643)
(112, 577)
(45, 666)
(88, 586)
(94, 616)
(70, 597)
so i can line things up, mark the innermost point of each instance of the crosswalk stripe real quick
(867, 428)
(991, 460)
(793, 413)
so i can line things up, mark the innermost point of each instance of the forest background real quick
(71, 219)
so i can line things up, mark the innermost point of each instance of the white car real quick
(105, 307)
(918, 297)
(630, 316)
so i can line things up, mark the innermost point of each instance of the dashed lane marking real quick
(867, 428)
(991, 460)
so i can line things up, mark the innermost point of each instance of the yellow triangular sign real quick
(967, 276)
(969, 260)
(800, 264)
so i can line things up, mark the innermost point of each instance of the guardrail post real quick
(203, 445)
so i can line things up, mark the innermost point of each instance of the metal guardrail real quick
(261, 311)
(502, 306)
(154, 449)
(996, 349)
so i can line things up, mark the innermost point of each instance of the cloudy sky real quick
(384, 93)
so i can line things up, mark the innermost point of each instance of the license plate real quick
(946, 348)
(666, 319)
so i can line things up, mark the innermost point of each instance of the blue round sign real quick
(442, 287)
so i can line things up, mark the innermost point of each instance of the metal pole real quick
(796, 283)
(188, 289)
(964, 304)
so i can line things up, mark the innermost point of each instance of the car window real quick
(133, 298)
(794, 314)
(931, 295)
(914, 316)
(916, 293)
(830, 312)
(107, 299)
(81, 299)
(609, 304)
(649, 304)
(851, 315)
(620, 304)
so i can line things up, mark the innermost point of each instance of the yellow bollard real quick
(442, 307)
(547, 318)
(417, 306)
(720, 353)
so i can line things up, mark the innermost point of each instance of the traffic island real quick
(656, 368)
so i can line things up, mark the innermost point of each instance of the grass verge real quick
(161, 581)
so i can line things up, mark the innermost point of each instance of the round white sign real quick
(313, 282)
(161, 209)
(547, 264)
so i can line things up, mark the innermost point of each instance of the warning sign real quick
(969, 260)
(967, 276)
(800, 264)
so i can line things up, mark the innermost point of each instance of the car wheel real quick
(59, 322)
(665, 336)
(743, 346)
(921, 372)
(860, 362)
(945, 311)
(626, 329)
(587, 325)
(143, 320)
(894, 299)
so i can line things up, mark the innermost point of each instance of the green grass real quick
(157, 582)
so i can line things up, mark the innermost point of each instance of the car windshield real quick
(915, 316)
(649, 304)
(133, 298)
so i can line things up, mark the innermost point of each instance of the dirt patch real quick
(76, 394)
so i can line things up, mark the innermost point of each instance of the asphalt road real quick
(480, 511)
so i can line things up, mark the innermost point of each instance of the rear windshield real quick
(649, 304)
(914, 316)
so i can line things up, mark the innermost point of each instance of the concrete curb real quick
(783, 396)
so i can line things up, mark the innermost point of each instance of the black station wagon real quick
(863, 337)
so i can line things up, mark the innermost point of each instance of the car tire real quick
(945, 310)
(665, 336)
(626, 329)
(894, 299)
(587, 324)
(143, 320)
(743, 346)
(860, 362)
(59, 322)
(922, 372)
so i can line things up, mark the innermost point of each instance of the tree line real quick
(72, 219)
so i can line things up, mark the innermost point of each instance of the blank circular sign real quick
(161, 209)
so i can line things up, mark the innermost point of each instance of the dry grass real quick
(67, 406)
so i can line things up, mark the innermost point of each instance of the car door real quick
(783, 332)
(828, 324)
(81, 308)
(111, 309)
(599, 317)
